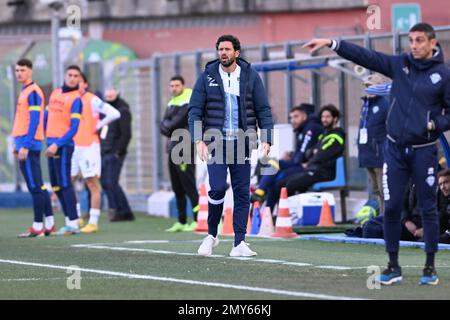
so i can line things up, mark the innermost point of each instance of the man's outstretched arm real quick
(370, 59)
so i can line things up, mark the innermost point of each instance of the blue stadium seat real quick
(339, 183)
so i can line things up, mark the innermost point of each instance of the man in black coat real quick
(115, 139)
(182, 176)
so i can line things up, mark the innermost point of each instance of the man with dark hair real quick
(307, 128)
(227, 104)
(114, 141)
(420, 101)
(320, 160)
(182, 176)
(86, 159)
(63, 119)
(28, 134)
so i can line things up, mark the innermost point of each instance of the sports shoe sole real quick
(434, 283)
(396, 280)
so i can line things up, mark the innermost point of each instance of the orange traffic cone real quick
(267, 228)
(249, 224)
(202, 217)
(326, 219)
(227, 228)
(283, 227)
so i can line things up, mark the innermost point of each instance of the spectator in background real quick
(307, 128)
(372, 133)
(114, 140)
(182, 176)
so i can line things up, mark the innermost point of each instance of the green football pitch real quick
(138, 260)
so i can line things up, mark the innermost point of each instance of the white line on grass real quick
(271, 261)
(185, 281)
(54, 279)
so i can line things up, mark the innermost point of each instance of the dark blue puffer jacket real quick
(420, 92)
(370, 154)
(207, 103)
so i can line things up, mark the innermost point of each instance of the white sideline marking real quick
(335, 267)
(54, 279)
(298, 264)
(269, 260)
(185, 281)
(272, 261)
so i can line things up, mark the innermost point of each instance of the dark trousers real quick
(401, 164)
(111, 168)
(31, 171)
(182, 177)
(240, 183)
(300, 182)
(59, 171)
(269, 182)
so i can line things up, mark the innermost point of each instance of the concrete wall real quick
(34, 10)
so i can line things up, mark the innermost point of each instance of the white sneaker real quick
(207, 245)
(242, 250)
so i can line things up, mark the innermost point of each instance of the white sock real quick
(78, 209)
(94, 214)
(73, 224)
(49, 222)
(38, 226)
(67, 221)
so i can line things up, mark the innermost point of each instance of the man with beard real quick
(320, 162)
(227, 104)
(307, 128)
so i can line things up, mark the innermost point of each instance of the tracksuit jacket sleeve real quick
(309, 141)
(174, 120)
(196, 109)
(111, 114)
(370, 59)
(34, 101)
(263, 110)
(328, 151)
(76, 110)
(442, 122)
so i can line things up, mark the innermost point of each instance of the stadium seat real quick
(339, 183)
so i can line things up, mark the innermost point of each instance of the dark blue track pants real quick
(401, 164)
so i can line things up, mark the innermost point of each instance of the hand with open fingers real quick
(52, 150)
(202, 150)
(23, 154)
(316, 44)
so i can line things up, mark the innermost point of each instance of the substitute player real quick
(63, 119)
(86, 159)
(28, 133)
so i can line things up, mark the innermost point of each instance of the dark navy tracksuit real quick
(221, 106)
(420, 93)
(371, 140)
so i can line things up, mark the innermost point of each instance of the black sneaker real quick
(429, 277)
(390, 275)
